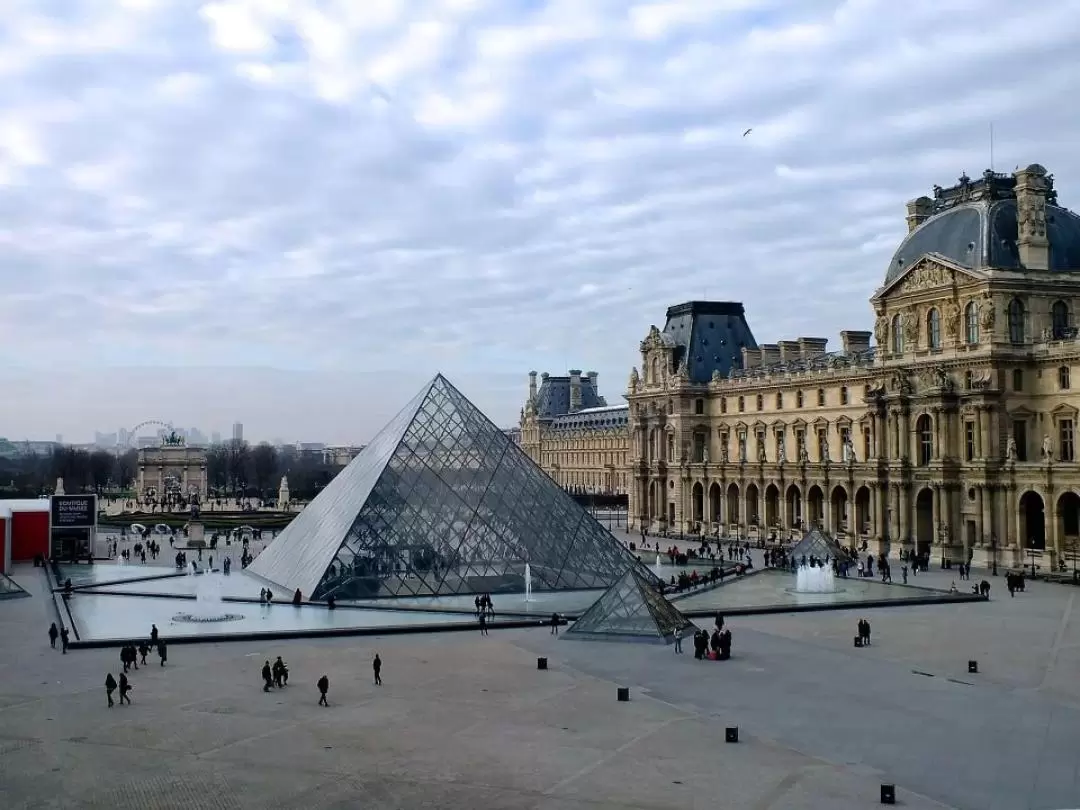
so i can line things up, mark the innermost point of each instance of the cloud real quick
(479, 186)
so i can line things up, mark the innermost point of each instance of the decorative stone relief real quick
(881, 330)
(911, 327)
(925, 276)
(952, 316)
(987, 315)
(634, 380)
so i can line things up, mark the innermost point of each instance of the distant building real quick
(172, 469)
(574, 435)
(340, 456)
(238, 431)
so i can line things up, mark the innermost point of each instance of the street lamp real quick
(993, 554)
(943, 535)
(1031, 553)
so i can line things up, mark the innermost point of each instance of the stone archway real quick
(924, 521)
(1032, 514)
(697, 502)
(815, 506)
(794, 503)
(716, 503)
(1068, 515)
(772, 505)
(862, 511)
(752, 500)
(733, 511)
(839, 519)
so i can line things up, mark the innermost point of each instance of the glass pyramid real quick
(816, 543)
(441, 502)
(631, 608)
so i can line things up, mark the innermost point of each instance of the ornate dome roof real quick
(975, 227)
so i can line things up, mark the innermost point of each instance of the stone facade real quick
(955, 434)
(172, 469)
(584, 449)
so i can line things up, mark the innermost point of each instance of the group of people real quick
(716, 647)
(276, 676)
(63, 635)
(131, 655)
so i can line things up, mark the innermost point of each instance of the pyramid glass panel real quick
(816, 543)
(441, 502)
(631, 608)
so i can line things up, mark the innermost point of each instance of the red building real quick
(24, 531)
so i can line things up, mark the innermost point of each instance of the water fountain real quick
(528, 582)
(659, 566)
(209, 605)
(120, 560)
(815, 579)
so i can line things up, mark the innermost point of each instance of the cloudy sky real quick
(292, 212)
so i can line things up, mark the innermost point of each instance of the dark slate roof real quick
(553, 396)
(709, 336)
(982, 233)
(608, 417)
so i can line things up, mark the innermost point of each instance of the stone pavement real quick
(468, 722)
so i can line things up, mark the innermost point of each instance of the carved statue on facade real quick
(173, 440)
(716, 375)
(849, 450)
(723, 453)
(952, 317)
(911, 327)
(1048, 448)
(781, 448)
(742, 450)
(1010, 449)
(761, 451)
(804, 454)
(705, 454)
(984, 379)
(635, 380)
(987, 314)
(901, 383)
(881, 330)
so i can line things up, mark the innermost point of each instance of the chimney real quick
(918, 211)
(770, 354)
(1031, 188)
(592, 375)
(532, 385)
(812, 347)
(751, 358)
(789, 350)
(855, 342)
(575, 390)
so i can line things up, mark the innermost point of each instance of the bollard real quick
(731, 734)
(858, 641)
(624, 694)
(973, 667)
(888, 794)
(541, 663)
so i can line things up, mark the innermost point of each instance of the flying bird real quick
(748, 132)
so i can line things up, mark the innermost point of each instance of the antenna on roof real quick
(991, 146)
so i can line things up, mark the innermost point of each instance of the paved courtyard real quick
(468, 722)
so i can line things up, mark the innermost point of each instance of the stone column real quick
(1053, 533)
(896, 530)
(982, 516)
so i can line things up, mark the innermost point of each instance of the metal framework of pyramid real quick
(816, 543)
(441, 502)
(631, 609)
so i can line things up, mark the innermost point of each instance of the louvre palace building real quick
(951, 428)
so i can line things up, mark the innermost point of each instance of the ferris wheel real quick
(150, 424)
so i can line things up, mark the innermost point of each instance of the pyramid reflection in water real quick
(630, 609)
(441, 502)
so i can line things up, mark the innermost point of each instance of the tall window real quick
(798, 399)
(1018, 379)
(742, 404)
(969, 441)
(971, 323)
(1064, 378)
(867, 444)
(699, 406)
(933, 329)
(897, 335)
(723, 404)
(779, 401)
(924, 429)
(760, 402)
(1066, 440)
(1019, 430)
(821, 397)
(1016, 321)
(742, 445)
(1059, 320)
(843, 395)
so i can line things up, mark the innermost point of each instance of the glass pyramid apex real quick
(817, 543)
(632, 608)
(441, 502)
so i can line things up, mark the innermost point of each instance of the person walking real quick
(483, 624)
(554, 624)
(267, 676)
(162, 652)
(678, 642)
(64, 639)
(53, 635)
(376, 666)
(324, 687)
(110, 687)
(125, 689)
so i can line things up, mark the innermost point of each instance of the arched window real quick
(933, 329)
(1016, 321)
(971, 323)
(924, 431)
(655, 376)
(1059, 320)
(897, 335)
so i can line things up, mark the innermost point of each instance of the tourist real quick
(725, 646)
(281, 673)
(331, 603)
(153, 635)
(267, 676)
(144, 650)
(324, 687)
(866, 632)
(53, 635)
(162, 652)
(483, 624)
(125, 689)
(110, 687)
(376, 666)
(903, 570)
(297, 598)
(64, 638)
(554, 624)
(124, 658)
(677, 638)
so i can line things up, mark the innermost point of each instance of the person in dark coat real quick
(110, 687)
(324, 687)
(124, 658)
(64, 638)
(125, 689)
(153, 635)
(267, 676)
(144, 650)
(554, 624)
(162, 652)
(297, 598)
(280, 673)
(376, 666)
(725, 645)
(53, 635)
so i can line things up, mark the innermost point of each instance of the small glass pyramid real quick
(816, 543)
(441, 502)
(632, 608)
